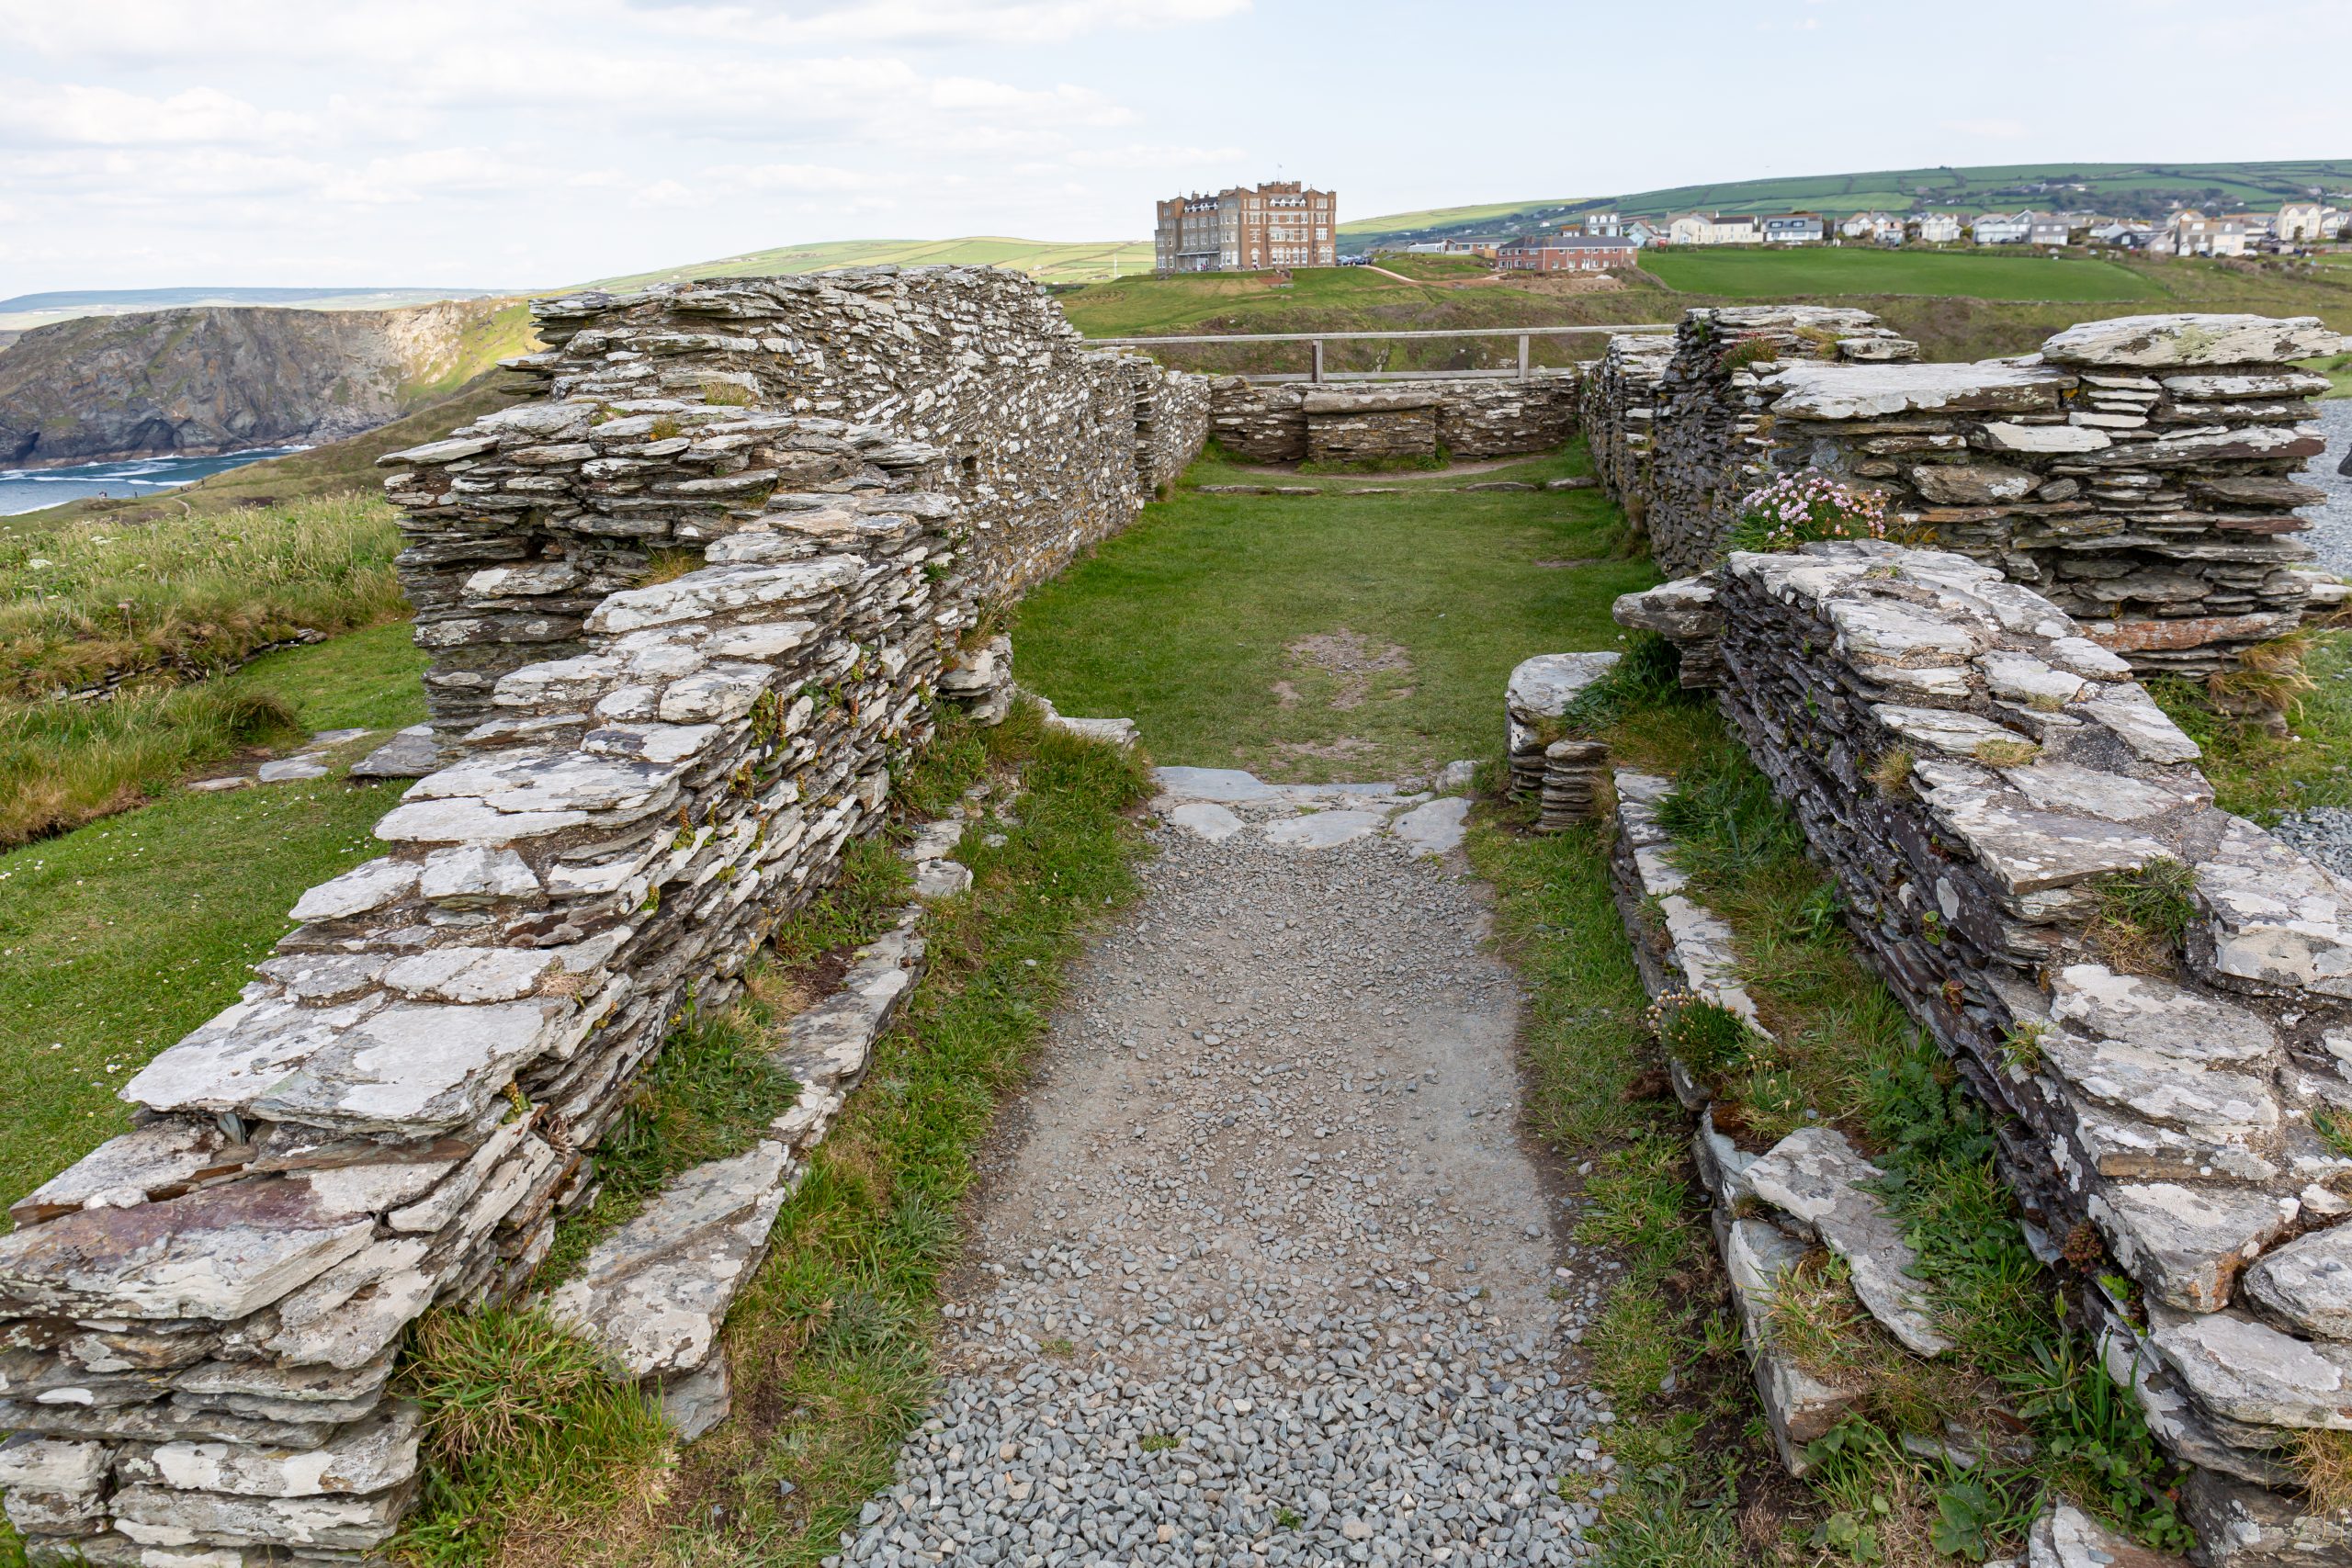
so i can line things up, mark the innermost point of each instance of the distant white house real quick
(2002, 228)
(2191, 233)
(1704, 228)
(1645, 232)
(1940, 228)
(1794, 228)
(1871, 226)
(2124, 235)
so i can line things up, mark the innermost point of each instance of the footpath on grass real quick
(1263, 1272)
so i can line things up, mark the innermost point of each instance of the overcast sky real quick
(521, 143)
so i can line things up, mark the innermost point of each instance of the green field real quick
(1748, 273)
(1191, 621)
(117, 939)
(1047, 261)
(1441, 217)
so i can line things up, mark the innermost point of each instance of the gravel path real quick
(2331, 533)
(1263, 1273)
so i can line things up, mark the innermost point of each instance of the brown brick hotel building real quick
(1281, 224)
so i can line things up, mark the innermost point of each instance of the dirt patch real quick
(1566, 565)
(1354, 659)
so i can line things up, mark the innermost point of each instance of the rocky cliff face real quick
(222, 379)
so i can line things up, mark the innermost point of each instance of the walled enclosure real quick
(685, 610)
(2139, 472)
(1291, 422)
(1971, 767)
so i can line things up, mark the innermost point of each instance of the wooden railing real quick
(1317, 373)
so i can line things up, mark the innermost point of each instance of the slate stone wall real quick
(1050, 446)
(684, 618)
(1617, 409)
(2138, 471)
(1483, 417)
(1971, 766)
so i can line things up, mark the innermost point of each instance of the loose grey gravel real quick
(2331, 531)
(1262, 1273)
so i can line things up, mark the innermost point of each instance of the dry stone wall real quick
(685, 618)
(1480, 417)
(1971, 767)
(1709, 443)
(2138, 471)
(1049, 444)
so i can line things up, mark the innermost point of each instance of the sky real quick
(536, 143)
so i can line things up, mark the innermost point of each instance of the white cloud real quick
(38, 114)
(1993, 130)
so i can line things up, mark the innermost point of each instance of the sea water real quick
(29, 490)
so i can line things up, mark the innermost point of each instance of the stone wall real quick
(748, 602)
(1481, 417)
(1049, 445)
(1970, 765)
(2137, 472)
(1709, 442)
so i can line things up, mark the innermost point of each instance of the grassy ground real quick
(1197, 621)
(1754, 272)
(2258, 775)
(117, 939)
(829, 1344)
(182, 595)
(1046, 260)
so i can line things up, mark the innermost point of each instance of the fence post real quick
(1522, 356)
(1319, 361)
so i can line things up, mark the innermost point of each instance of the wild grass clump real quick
(85, 600)
(65, 764)
(2144, 917)
(523, 1420)
(2258, 771)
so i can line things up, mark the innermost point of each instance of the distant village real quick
(1280, 224)
(1598, 241)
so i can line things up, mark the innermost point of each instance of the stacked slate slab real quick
(1535, 699)
(1617, 409)
(1971, 766)
(2139, 473)
(1708, 441)
(683, 625)
(1475, 417)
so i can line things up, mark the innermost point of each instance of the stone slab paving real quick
(1263, 1272)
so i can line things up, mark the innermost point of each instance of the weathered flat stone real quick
(1323, 830)
(1543, 686)
(1678, 610)
(33, 1463)
(655, 1292)
(2308, 1283)
(2277, 915)
(2027, 851)
(2140, 725)
(2151, 1014)
(715, 590)
(161, 1160)
(1205, 819)
(471, 822)
(2066, 1536)
(714, 695)
(414, 1066)
(1972, 484)
(533, 781)
(1825, 391)
(1800, 1408)
(1228, 785)
(323, 976)
(2160, 341)
(935, 840)
(290, 769)
(2245, 1371)
(2044, 440)
(942, 879)
(1435, 827)
(2069, 790)
(367, 887)
(471, 876)
(827, 1045)
(699, 1401)
(470, 973)
(2185, 1245)
(2164, 1089)
(1948, 730)
(368, 1456)
(162, 1515)
(218, 1253)
(1817, 1178)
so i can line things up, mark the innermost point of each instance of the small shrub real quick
(1747, 351)
(1706, 1038)
(2144, 917)
(1158, 1442)
(664, 428)
(2021, 1044)
(1892, 771)
(726, 394)
(2007, 754)
(1798, 509)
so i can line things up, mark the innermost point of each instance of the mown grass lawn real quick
(1750, 273)
(1191, 622)
(117, 939)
